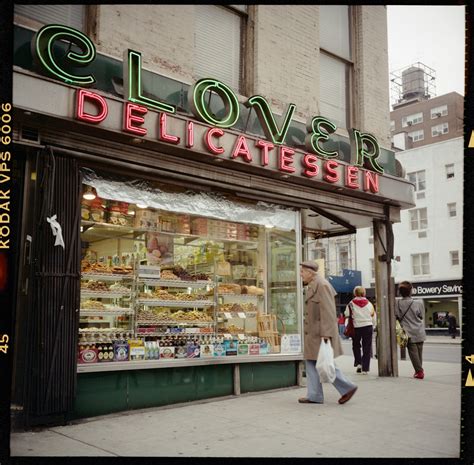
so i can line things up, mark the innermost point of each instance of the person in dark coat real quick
(451, 325)
(411, 315)
(320, 326)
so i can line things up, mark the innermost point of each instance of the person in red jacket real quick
(341, 322)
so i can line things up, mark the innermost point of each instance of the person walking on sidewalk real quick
(363, 314)
(341, 320)
(411, 313)
(320, 324)
(451, 325)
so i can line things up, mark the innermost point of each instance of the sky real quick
(432, 35)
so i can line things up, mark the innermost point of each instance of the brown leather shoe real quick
(347, 396)
(305, 400)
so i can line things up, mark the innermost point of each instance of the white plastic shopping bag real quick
(325, 364)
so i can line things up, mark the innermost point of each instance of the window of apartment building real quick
(417, 135)
(420, 264)
(320, 252)
(371, 235)
(335, 63)
(418, 178)
(343, 257)
(452, 209)
(69, 15)
(439, 129)
(449, 171)
(439, 111)
(392, 125)
(454, 255)
(418, 219)
(218, 43)
(410, 120)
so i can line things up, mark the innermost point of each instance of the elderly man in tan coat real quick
(320, 326)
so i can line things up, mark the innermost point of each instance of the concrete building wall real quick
(164, 34)
(372, 96)
(287, 57)
(285, 54)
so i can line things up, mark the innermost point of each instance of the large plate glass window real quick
(335, 63)
(283, 281)
(169, 273)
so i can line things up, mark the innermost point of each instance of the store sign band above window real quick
(364, 147)
(201, 138)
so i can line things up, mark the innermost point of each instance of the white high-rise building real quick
(428, 240)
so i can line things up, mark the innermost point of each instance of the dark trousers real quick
(415, 351)
(363, 335)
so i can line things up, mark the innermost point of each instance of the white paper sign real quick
(291, 344)
(227, 315)
(241, 314)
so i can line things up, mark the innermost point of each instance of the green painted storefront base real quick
(115, 391)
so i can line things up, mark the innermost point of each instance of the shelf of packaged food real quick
(177, 323)
(104, 295)
(245, 297)
(107, 276)
(92, 321)
(111, 312)
(176, 303)
(119, 230)
(174, 334)
(224, 332)
(238, 314)
(141, 334)
(175, 283)
(103, 330)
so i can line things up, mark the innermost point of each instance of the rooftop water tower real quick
(411, 84)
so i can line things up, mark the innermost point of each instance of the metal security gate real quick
(54, 297)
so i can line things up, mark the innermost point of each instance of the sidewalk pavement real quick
(443, 340)
(387, 417)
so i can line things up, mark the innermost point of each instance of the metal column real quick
(385, 295)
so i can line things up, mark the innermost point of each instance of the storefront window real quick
(282, 288)
(169, 273)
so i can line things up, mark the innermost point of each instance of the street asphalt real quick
(387, 417)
